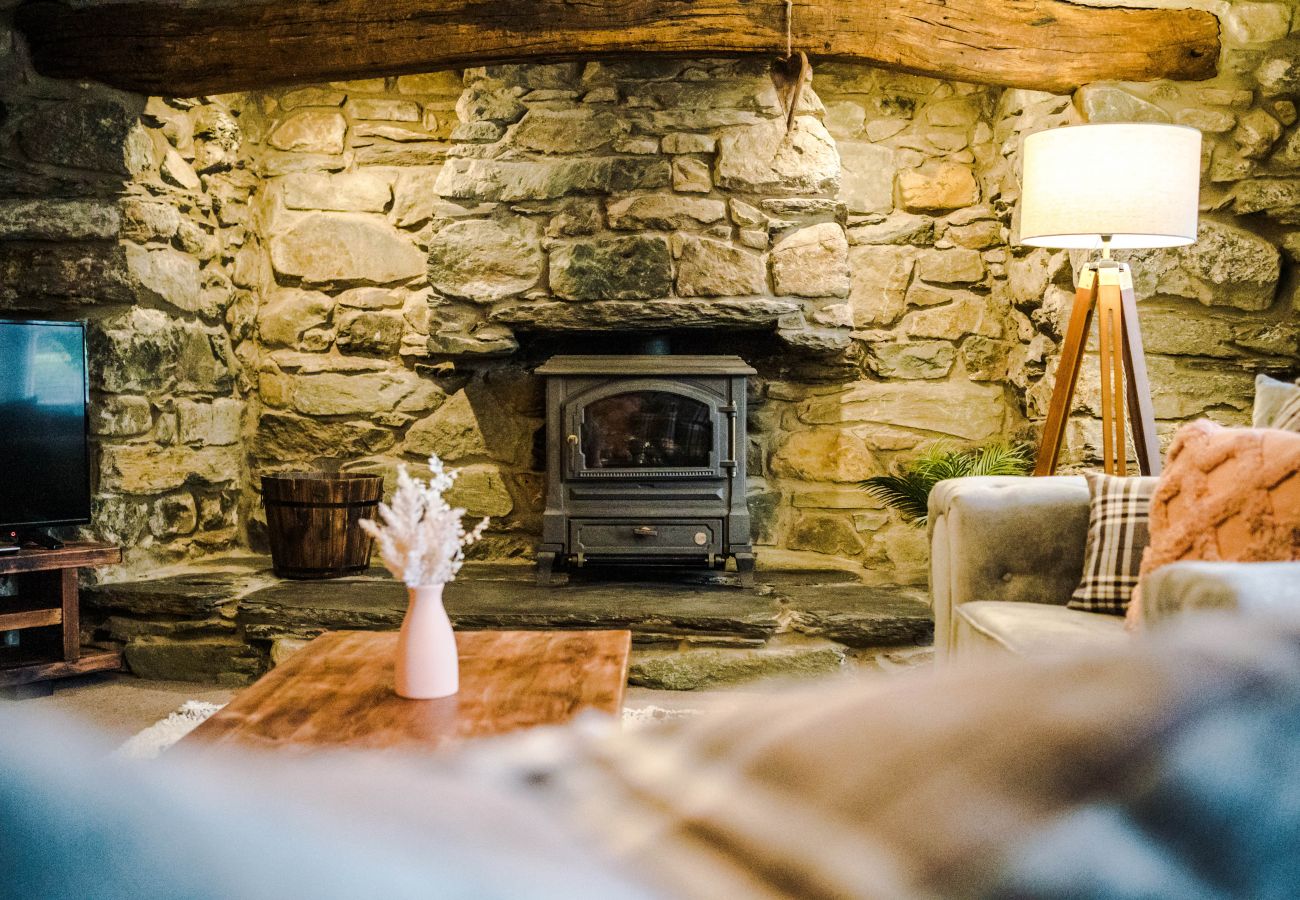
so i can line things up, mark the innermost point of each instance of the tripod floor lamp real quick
(1104, 187)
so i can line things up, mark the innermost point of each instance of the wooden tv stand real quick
(45, 610)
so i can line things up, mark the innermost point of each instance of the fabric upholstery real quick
(1288, 417)
(1270, 395)
(226, 825)
(1004, 538)
(1230, 494)
(1245, 587)
(1031, 629)
(1118, 509)
(1099, 775)
(955, 784)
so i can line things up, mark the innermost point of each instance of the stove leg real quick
(546, 574)
(745, 568)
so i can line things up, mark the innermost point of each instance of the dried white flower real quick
(422, 539)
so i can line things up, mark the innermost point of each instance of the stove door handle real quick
(645, 531)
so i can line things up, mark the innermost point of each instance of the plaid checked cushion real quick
(1118, 511)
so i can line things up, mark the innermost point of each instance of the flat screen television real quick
(44, 451)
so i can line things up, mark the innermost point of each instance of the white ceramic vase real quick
(427, 664)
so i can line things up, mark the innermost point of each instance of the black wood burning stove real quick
(645, 462)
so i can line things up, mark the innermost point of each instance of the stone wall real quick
(414, 230)
(115, 211)
(351, 275)
(1213, 314)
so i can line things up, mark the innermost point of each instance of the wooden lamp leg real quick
(1114, 447)
(1141, 413)
(1067, 373)
(1108, 291)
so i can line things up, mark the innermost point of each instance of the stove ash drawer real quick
(647, 537)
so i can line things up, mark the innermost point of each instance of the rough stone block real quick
(867, 179)
(222, 660)
(1108, 102)
(691, 176)
(364, 331)
(580, 130)
(537, 179)
(683, 142)
(120, 416)
(384, 108)
(344, 249)
(664, 212)
(1227, 266)
(625, 268)
(312, 96)
(812, 262)
(165, 275)
(297, 319)
(967, 314)
(91, 134)
(339, 394)
(39, 276)
(974, 412)
(282, 437)
(344, 191)
(709, 268)
(486, 260)
(310, 131)
(150, 469)
(941, 187)
(825, 454)
(1257, 23)
(881, 275)
(765, 157)
(957, 266)
(59, 220)
(911, 359)
(219, 422)
(832, 535)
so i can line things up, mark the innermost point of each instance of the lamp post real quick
(1104, 187)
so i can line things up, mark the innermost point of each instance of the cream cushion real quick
(985, 627)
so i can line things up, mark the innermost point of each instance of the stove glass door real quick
(647, 429)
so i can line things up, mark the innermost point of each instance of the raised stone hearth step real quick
(193, 595)
(505, 596)
(692, 628)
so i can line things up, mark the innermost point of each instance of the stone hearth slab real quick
(862, 616)
(505, 596)
(697, 608)
(192, 595)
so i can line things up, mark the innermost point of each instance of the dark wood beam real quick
(160, 47)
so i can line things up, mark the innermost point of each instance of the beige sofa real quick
(1006, 553)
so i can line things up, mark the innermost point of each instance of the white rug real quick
(150, 743)
(160, 736)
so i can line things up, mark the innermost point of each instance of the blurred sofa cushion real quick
(1031, 629)
(1270, 396)
(1226, 494)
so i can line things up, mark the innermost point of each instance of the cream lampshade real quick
(1136, 184)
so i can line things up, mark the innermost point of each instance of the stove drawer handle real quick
(645, 531)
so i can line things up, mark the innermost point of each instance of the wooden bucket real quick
(312, 519)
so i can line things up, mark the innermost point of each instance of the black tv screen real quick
(44, 455)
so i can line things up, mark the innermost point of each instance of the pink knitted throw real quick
(1228, 494)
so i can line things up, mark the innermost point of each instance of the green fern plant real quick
(908, 488)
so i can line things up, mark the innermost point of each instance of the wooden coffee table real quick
(337, 692)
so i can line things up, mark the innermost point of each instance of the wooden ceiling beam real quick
(161, 47)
